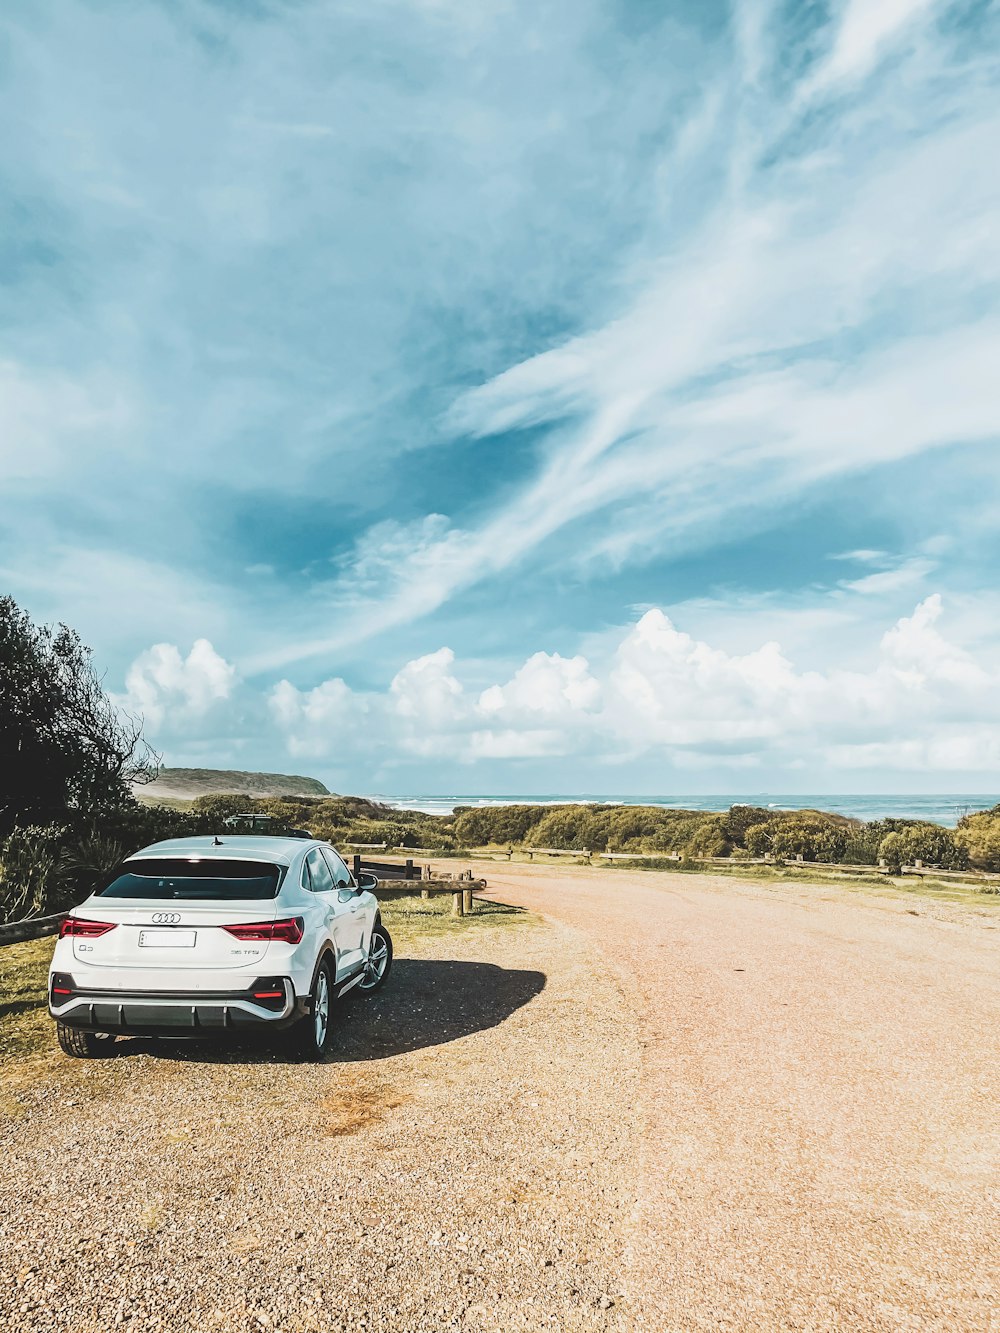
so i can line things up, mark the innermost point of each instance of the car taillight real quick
(74, 925)
(288, 931)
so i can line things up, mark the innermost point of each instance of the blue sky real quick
(505, 397)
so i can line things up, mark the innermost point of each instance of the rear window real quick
(209, 880)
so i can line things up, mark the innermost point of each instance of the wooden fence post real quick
(357, 864)
(425, 892)
(467, 901)
(456, 905)
(409, 868)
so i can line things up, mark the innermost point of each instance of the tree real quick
(63, 746)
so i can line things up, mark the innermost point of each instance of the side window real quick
(319, 872)
(341, 875)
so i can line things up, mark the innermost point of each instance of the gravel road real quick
(457, 1165)
(820, 1099)
(677, 1104)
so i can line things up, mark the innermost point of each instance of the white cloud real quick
(714, 277)
(799, 333)
(867, 29)
(427, 692)
(46, 418)
(901, 575)
(663, 692)
(548, 684)
(670, 689)
(319, 722)
(164, 688)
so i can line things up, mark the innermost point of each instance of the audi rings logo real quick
(166, 918)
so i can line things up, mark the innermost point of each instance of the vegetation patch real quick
(357, 1102)
(411, 918)
(25, 1026)
(190, 783)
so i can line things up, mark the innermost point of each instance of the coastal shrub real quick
(676, 830)
(393, 834)
(636, 827)
(862, 844)
(933, 845)
(810, 835)
(500, 825)
(566, 827)
(892, 851)
(90, 859)
(708, 839)
(740, 819)
(34, 878)
(757, 839)
(220, 807)
(979, 836)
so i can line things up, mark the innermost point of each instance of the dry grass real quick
(358, 1101)
(414, 917)
(973, 892)
(25, 1027)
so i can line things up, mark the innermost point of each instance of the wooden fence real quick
(34, 929)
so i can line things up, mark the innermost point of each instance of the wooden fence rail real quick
(35, 929)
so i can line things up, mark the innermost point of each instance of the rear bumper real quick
(191, 1013)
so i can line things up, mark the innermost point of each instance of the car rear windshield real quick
(208, 880)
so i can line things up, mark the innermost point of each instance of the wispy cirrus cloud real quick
(802, 332)
(331, 334)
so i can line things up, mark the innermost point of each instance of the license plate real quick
(166, 939)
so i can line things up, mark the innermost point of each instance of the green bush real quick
(498, 825)
(740, 819)
(813, 837)
(978, 836)
(892, 851)
(34, 875)
(568, 827)
(382, 830)
(220, 807)
(935, 846)
(708, 839)
(757, 839)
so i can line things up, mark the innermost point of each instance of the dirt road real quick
(820, 1100)
(453, 1166)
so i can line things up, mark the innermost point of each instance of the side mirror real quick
(367, 881)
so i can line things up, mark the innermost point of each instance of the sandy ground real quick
(680, 1103)
(820, 1099)
(455, 1165)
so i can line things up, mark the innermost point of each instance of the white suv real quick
(202, 936)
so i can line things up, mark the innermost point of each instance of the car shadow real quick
(425, 1002)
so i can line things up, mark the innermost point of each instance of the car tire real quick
(379, 962)
(313, 1035)
(84, 1045)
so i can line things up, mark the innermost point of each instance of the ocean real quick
(945, 809)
